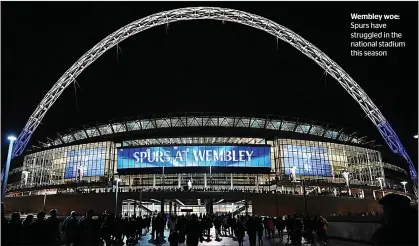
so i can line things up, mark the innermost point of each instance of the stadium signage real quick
(197, 155)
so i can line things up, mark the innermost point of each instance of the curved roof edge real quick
(269, 122)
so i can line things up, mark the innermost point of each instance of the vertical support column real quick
(231, 181)
(275, 160)
(162, 205)
(154, 181)
(32, 172)
(43, 167)
(257, 183)
(153, 207)
(175, 208)
(209, 206)
(178, 180)
(135, 208)
(205, 180)
(381, 168)
(369, 168)
(170, 207)
(246, 206)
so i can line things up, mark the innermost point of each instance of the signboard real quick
(195, 156)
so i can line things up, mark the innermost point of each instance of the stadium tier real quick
(207, 154)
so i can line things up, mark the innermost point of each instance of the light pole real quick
(12, 139)
(116, 195)
(404, 186)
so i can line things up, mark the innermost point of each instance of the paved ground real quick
(227, 241)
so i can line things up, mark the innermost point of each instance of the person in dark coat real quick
(4, 224)
(53, 228)
(260, 231)
(87, 229)
(174, 238)
(38, 230)
(106, 228)
(26, 233)
(252, 227)
(70, 229)
(217, 226)
(297, 228)
(400, 225)
(14, 230)
(193, 231)
(240, 232)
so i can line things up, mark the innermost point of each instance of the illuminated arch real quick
(223, 14)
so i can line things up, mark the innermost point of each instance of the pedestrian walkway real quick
(228, 241)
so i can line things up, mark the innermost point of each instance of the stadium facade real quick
(205, 153)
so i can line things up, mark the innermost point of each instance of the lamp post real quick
(12, 139)
(117, 180)
(404, 186)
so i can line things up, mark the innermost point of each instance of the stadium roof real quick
(197, 120)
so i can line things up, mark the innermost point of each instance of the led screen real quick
(91, 162)
(307, 160)
(194, 156)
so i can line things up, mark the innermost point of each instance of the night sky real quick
(202, 66)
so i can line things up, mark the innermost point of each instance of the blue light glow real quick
(307, 160)
(12, 138)
(91, 161)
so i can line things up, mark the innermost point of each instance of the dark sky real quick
(202, 65)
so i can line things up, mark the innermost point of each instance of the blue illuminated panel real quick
(92, 162)
(308, 160)
(195, 156)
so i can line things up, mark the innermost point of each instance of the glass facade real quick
(314, 160)
(90, 162)
(93, 165)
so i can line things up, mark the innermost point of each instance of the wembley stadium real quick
(206, 162)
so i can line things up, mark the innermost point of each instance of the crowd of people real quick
(399, 227)
(111, 229)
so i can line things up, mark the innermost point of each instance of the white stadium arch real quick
(221, 14)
